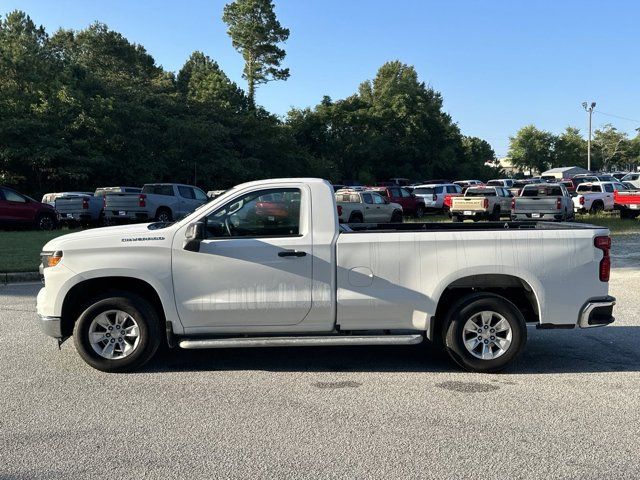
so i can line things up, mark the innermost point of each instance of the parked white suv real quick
(434, 194)
(632, 178)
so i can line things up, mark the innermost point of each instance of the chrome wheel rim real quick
(487, 335)
(114, 334)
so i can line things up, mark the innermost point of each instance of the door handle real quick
(292, 253)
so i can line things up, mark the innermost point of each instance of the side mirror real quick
(193, 236)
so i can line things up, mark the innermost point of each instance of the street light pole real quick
(589, 109)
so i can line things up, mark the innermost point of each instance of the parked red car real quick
(411, 205)
(19, 209)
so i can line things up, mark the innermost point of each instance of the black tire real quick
(456, 218)
(355, 218)
(596, 207)
(46, 222)
(150, 333)
(465, 309)
(164, 215)
(420, 211)
(396, 217)
(627, 214)
(495, 215)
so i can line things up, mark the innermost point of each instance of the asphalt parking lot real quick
(570, 407)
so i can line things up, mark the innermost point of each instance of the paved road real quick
(570, 408)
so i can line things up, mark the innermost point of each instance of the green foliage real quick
(532, 149)
(394, 126)
(570, 149)
(610, 147)
(256, 32)
(83, 109)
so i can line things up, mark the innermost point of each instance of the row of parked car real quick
(528, 199)
(163, 202)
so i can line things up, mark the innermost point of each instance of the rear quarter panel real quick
(395, 280)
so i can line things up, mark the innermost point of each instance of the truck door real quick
(254, 266)
(608, 197)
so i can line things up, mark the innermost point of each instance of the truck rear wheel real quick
(484, 332)
(495, 215)
(117, 332)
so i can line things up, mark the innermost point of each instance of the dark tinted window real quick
(608, 188)
(367, 198)
(423, 191)
(158, 190)
(542, 191)
(405, 193)
(186, 192)
(480, 192)
(395, 192)
(11, 196)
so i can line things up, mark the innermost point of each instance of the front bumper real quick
(597, 312)
(51, 326)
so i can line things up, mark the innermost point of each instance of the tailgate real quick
(68, 205)
(627, 198)
(464, 203)
(123, 201)
(536, 204)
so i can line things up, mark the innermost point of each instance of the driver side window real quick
(264, 213)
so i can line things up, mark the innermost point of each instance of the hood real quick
(97, 233)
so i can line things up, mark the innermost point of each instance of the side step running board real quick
(249, 342)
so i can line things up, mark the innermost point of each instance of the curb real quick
(17, 277)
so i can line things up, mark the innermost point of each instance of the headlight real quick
(50, 259)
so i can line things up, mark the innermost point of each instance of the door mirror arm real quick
(194, 236)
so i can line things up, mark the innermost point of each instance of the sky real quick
(500, 65)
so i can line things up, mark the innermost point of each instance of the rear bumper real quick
(50, 326)
(541, 216)
(597, 312)
(114, 216)
(74, 217)
(481, 215)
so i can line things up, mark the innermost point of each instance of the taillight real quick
(142, 200)
(604, 244)
(85, 203)
(581, 200)
(558, 204)
(339, 210)
(485, 203)
(513, 204)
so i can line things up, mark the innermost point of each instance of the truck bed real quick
(464, 227)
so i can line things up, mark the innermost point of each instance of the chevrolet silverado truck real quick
(481, 203)
(79, 208)
(164, 202)
(357, 206)
(543, 201)
(267, 264)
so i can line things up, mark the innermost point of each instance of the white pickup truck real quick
(267, 264)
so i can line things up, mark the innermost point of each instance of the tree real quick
(532, 149)
(256, 32)
(610, 147)
(570, 149)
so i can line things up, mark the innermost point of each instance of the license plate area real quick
(467, 212)
(122, 213)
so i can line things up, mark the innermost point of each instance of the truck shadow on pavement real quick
(609, 349)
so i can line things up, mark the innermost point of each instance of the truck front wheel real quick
(117, 332)
(484, 332)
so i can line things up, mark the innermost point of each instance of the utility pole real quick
(589, 109)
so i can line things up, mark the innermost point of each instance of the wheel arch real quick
(513, 287)
(86, 289)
